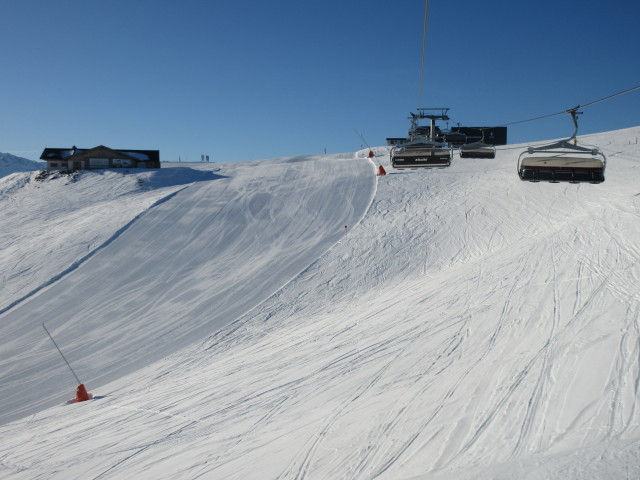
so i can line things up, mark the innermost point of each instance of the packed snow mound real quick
(468, 326)
(10, 164)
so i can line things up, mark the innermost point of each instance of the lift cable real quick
(610, 96)
(424, 43)
(572, 109)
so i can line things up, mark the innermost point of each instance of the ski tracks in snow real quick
(300, 466)
(468, 322)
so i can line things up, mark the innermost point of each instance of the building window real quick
(122, 162)
(98, 163)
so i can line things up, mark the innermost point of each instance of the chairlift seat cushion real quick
(572, 163)
(478, 152)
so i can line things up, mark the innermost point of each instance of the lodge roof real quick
(53, 154)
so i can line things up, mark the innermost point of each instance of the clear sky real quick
(245, 80)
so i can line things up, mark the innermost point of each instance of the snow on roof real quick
(137, 155)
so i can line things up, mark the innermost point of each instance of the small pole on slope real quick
(81, 391)
(362, 138)
(372, 156)
(61, 354)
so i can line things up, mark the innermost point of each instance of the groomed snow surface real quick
(465, 324)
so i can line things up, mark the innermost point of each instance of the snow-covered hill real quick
(10, 164)
(59, 221)
(464, 324)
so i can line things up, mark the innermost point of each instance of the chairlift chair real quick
(563, 161)
(478, 149)
(421, 154)
(454, 138)
(422, 151)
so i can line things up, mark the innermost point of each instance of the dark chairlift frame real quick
(421, 151)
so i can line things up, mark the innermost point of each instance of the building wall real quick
(94, 163)
(100, 157)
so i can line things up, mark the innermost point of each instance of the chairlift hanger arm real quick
(563, 144)
(574, 116)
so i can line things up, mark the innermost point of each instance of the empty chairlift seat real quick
(562, 161)
(421, 154)
(477, 150)
(422, 149)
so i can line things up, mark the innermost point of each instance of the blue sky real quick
(243, 80)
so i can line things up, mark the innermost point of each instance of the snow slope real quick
(11, 163)
(194, 260)
(58, 222)
(470, 326)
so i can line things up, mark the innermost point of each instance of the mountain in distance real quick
(11, 164)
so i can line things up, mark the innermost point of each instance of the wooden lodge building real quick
(72, 159)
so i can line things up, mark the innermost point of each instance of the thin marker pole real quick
(65, 359)
(362, 138)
